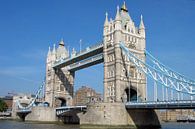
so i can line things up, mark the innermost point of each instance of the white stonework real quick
(120, 74)
(59, 82)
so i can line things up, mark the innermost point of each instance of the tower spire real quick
(54, 49)
(106, 20)
(61, 42)
(124, 7)
(49, 51)
(118, 17)
(141, 26)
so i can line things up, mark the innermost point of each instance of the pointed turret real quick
(142, 28)
(49, 52)
(141, 25)
(118, 21)
(53, 53)
(106, 25)
(118, 17)
(106, 20)
(54, 49)
(49, 55)
(73, 52)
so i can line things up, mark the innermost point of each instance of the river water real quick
(7, 124)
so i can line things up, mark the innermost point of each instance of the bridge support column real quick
(116, 115)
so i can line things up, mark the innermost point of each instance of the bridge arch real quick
(130, 94)
(60, 102)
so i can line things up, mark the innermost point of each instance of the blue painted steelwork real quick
(32, 103)
(159, 75)
(168, 71)
(182, 104)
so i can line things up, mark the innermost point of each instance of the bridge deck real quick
(161, 105)
(62, 110)
(23, 111)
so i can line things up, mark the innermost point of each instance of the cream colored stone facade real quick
(59, 82)
(122, 80)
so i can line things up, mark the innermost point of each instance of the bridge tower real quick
(59, 82)
(122, 80)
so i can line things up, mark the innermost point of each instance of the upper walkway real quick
(83, 55)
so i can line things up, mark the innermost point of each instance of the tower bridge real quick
(123, 54)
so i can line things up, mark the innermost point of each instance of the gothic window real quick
(110, 57)
(111, 72)
(132, 71)
(61, 87)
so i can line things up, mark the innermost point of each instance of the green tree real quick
(3, 105)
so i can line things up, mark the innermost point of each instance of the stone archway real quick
(131, 94)
(60, 102)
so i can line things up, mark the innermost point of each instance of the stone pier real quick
(117, 116)
(42, 114)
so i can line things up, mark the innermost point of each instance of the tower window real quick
(125, 27)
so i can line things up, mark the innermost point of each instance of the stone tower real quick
(59, 82)
(122, 80)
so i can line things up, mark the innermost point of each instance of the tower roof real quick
(125, 15)
(124, 7)
(61, 42)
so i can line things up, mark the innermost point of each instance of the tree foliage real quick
(3, 105)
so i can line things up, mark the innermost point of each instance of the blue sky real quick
(28, 28)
